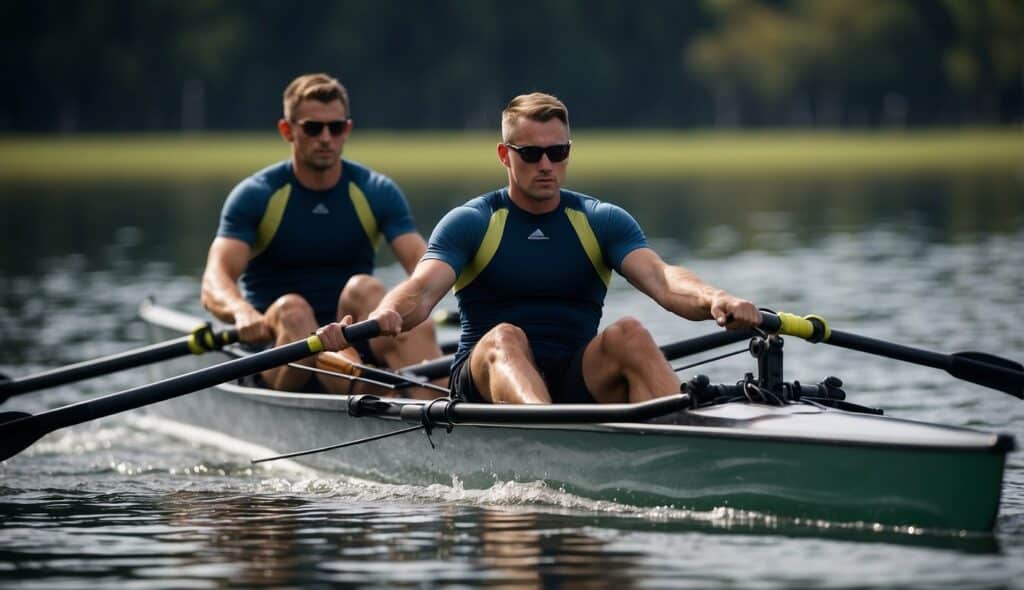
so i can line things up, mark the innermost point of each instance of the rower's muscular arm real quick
(680, 291)
(411, 302)
(220, 295)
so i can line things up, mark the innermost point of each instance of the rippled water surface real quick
(930, 262)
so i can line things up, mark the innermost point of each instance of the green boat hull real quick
(797, 461)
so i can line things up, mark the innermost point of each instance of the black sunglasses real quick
(315, 128)
(531, 153)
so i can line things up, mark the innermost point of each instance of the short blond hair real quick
(319, 87)
(535, 106)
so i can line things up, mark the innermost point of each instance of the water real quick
(936, 262)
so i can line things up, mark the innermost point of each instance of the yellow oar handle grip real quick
(810, 327)
(314, 344)
(204, 339)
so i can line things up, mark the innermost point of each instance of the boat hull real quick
(794, 461)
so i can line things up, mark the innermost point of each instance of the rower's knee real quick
(360, 296)
(505, 339)
(628, 340)
(290, 310)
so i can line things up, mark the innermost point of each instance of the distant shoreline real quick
(445, 156)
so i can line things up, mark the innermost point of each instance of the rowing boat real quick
(806, 455)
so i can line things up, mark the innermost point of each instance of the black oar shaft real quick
(195, 343)
(704, 343)
(18, 434)
(435, 369)
(983, 369)
(890, 349)
(169, 388)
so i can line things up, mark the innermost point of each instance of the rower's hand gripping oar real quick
(19, 430)
(202, 339)
(976, 367)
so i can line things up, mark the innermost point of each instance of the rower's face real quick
(541, 180)
(323, 150)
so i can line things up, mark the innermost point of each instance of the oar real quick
(202, 339)
(976, 367)
(704, 343)
(18, 430)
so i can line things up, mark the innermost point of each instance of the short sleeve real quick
(390, 207)
(619, 234)
(242, 211)
(457, 237)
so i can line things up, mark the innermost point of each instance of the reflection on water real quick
(279, 541)
(175, 223)
(929, 261)
(183, 539)
(725, 216)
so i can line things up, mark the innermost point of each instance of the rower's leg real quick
(291, 318)
(360, 296)
(503, 368)
(624, 364)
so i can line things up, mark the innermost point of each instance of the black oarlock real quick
(829, 388)
(768, 352)
(367, 405)
(698, 390)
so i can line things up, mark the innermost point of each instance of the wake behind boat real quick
(786, 449)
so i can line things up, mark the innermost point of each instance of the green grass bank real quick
(470, 156)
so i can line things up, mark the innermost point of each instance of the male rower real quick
(301, 235)
(530, 264)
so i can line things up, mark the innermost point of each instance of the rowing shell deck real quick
(798, 460)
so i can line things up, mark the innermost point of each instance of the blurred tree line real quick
(222, 64)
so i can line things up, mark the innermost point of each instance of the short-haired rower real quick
(530, 264)
(300, 237)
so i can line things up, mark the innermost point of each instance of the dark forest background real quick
(159, 65)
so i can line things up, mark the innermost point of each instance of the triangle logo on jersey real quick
(537, 235)
(321, 209)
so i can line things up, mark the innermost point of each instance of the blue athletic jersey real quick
(547, 274)
(311, 242)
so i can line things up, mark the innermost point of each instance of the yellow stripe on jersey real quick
(271, 220)
(579, 222)
(365, 214)
(484, 254)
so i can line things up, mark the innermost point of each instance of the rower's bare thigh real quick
(624, 364)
